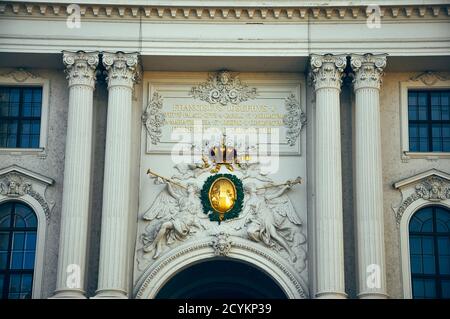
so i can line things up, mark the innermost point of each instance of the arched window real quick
(18, 227)
(429, 237)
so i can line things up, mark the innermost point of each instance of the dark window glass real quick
(429, 247)
(429, 121)
(20, 116)
(18, 226)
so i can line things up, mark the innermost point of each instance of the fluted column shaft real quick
(113, 276)
(327, 73)
(80, 70)
(368, 176)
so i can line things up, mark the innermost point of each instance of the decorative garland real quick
(213, 214)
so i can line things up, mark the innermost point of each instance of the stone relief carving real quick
(368, 70)
(153, 118)
(272, 220)
(20, 75)
(180, 213)
(294, 120)
(430, 78)
(222, 244)
(80, 67)
(191, 249)
(268, 218)
(14, 185)
(253, 171)
(121, 68)
(433, 188)
(327, 70)
(223, 88)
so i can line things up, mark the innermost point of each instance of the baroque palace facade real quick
(256, 149)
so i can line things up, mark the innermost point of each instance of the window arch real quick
(429, 241)
(18, 231)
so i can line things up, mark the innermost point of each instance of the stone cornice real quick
(26, 173)
(229, 9)
(422, 176)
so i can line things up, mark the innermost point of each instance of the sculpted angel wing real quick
(282, 205)
(164, 205)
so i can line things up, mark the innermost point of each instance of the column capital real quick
(368, 70)
(122, 68)
(327, 70)
(80, 67)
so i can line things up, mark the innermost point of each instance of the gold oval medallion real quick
(222, 195)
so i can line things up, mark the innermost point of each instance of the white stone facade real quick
(340, 80)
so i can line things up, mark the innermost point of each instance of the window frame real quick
(42, 208)
(20, 118)
(41, 237)
(429, 122)
(32, 81)
(404, 241)
(8, 272)
(437, 276)
(405, 87)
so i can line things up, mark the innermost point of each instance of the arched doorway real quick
(221, 279)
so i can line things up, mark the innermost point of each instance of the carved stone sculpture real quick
(268, 218)
(223, 88)
(179, 211)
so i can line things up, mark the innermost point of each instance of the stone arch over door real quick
(182, 257)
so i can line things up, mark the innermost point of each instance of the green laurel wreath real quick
(214, 215)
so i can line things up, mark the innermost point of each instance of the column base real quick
(69, 294)
(372, 295)
(331, 295)
(110, 294)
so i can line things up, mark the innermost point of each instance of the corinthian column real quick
(112, 282)
(80, 70)
(327, 73)
(368, 70)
